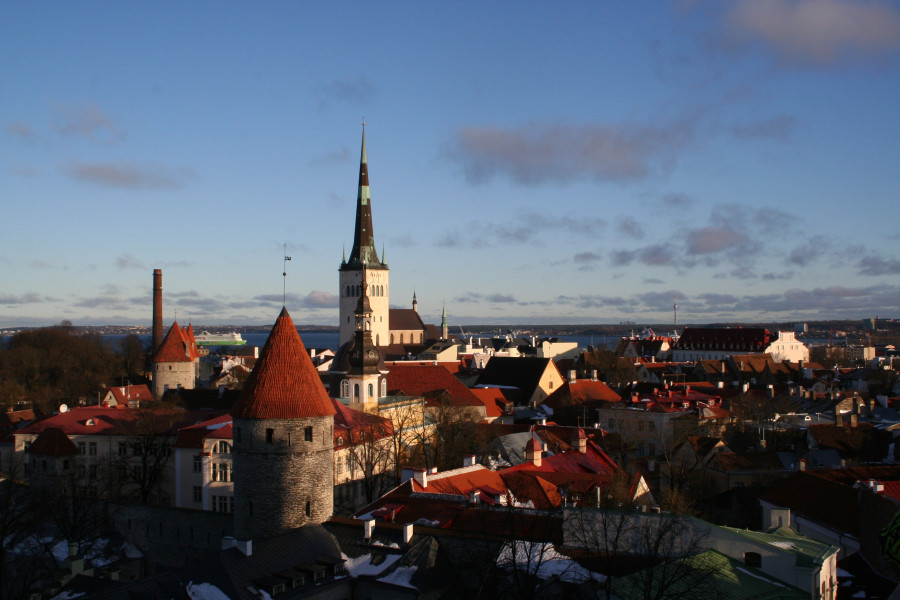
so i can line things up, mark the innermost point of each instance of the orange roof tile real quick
(284, 384)
(177, 346)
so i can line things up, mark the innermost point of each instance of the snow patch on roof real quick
(205, 591)
(543, 561)
(362, 565)
(401, 576)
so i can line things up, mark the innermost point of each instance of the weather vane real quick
(284, 276)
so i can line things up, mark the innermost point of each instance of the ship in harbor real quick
(205, 338)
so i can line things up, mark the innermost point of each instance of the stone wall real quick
(282, 481)
(169, 537)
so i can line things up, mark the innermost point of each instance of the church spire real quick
(363, 236)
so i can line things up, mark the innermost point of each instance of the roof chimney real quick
(469, 460)
(572, 376)
(421, 477)
(407, 533)
(802, 464)
(368, 528)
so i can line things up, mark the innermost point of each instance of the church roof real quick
(284, 384)
(178, 345)
(404, 319)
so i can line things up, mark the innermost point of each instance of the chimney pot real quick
(407, 533)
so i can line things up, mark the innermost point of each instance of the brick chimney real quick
(157, 312)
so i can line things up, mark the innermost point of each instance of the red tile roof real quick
(99, 420)
(739, 339)
(178, 346)
(284, 384)
(423, 380)
(494, 401)
(53, 442)
(124, 394)
(582, 391)
(349, 423)
(192, 436)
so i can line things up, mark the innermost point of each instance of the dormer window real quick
(90, 423)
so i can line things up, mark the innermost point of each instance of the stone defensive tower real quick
(283, 449)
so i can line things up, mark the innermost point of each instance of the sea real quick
(329, 340)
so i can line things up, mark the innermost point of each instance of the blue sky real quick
(530, 162)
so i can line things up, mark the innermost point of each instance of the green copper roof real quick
(709, 574)
(809, 552)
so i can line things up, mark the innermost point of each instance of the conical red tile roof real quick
(178, 345)
(284, 383)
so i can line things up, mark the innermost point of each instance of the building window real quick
(123, 449)
(345, 388)
(356, 391)
(307, 434)
(197, 464)
(222, 448)
(237, 434)
(371, 390)
(92, 449)
(81, 447)
(198, 493)
(383, 388)
(270, 436)
(308, 508)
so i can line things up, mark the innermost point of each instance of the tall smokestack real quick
(157, 311)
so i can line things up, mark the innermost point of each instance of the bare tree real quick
(23, 561)
(142, 468)
(372, 457)
(648, 550)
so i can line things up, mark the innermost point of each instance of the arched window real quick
(356, 391)
(383, 387)
(308, 508)
(371, 390)
(401, 338)
(345, 388)
(392, 338)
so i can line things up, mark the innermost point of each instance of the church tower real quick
(364, 266)
(358, 371)
(283, 448)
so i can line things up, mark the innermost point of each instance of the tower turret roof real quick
(284, 383)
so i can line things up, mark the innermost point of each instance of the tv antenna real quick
(284, 277)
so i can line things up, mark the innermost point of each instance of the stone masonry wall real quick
(283, 483)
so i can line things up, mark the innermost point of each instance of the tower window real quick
(345, 388)
(307, 434)
(270, 436)
(308, 508)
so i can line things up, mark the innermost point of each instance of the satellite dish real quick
(63, 408)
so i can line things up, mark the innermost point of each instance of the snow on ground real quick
(362, 565)
(401, 576)
(67, 595)
(205, 591)
(542, 560)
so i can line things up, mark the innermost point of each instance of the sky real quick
(529, 162)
